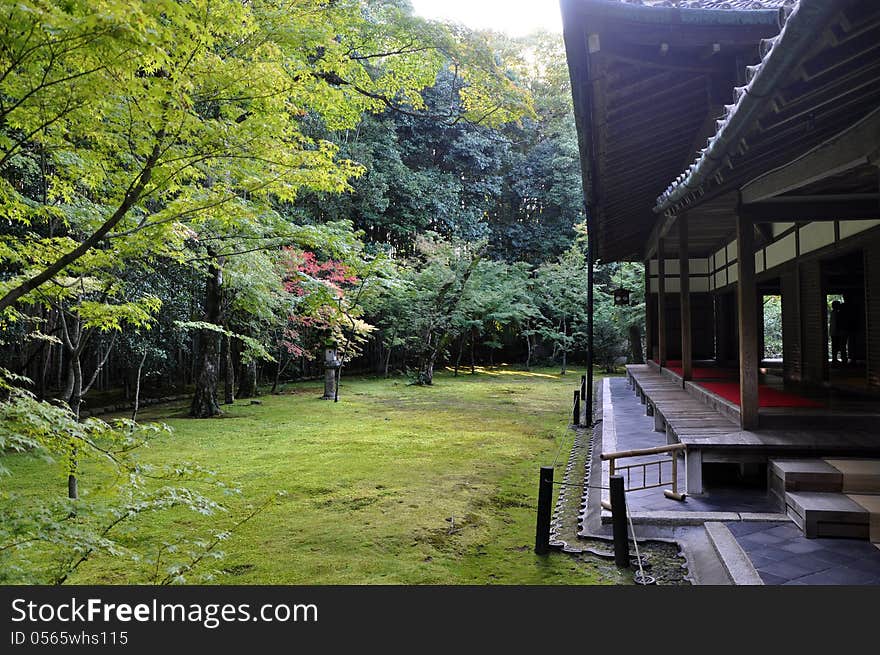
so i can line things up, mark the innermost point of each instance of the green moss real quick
(394, 484)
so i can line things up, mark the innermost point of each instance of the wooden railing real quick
(616, 469)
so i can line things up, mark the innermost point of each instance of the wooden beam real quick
(661, 304)
(849, 149)
(646, 101)
(806, 209)
(747, 299)
(661, 228)
(648, 58)
(622, 90)
(685, 295)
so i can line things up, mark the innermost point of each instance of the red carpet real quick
(767, 396)
(706, 373)
(701, 372)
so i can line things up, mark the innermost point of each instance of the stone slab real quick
(872, 505)
(859, 475)
(807, 475)
(678, 518)
(734, 559)
(827, 514)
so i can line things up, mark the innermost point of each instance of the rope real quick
(559, 452)
(579, 486)
(636, 544)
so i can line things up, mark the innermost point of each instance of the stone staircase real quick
(830, 497)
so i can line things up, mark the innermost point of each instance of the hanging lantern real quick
(621, 297)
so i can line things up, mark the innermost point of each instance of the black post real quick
(591, 241)
(583, 387)
(545, 498)
(576, 411)
(618, 522)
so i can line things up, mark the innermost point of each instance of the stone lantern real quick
(332, 364)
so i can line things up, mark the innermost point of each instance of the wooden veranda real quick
(733, 147)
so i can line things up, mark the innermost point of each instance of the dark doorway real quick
(843, 283)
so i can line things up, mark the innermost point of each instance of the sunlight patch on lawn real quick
(502, 369)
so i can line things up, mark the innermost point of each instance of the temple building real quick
(733, 147)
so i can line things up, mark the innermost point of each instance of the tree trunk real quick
(247, 387)
(564, 348)
(204, 404)
(278, 370)
(229, 379)
(473, 359)
(390, 349)
(75, 403)
(47, 359)
(137, 387)
(387, 361)
(59, 365)
(528, 352)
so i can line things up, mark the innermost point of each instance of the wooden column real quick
(687, 362)
(591, 306)
(872, 312)
(814, 337)
(748, 324)
(649, 328)
(791, 325)
(661, 303)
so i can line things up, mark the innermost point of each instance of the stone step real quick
(859, 475)
(820, 514)
(841, 475)
(802, 475)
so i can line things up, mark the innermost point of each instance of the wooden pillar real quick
(748, 324)
(791, 325)
(872, 311)
(814, 337)
(661, 303)
(685, 295)
(649, 328)
(591, 302)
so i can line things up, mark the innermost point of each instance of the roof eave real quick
(781, 55)
(614, 9)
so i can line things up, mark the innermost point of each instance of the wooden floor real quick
(712, 436)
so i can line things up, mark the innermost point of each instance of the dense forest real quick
(210, 198)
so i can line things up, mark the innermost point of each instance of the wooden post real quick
(576, 410)
(748, 324)
(545, 499)
(618, 521)
(685, 294)
(591, 255)
(649, 328)
(661, 303)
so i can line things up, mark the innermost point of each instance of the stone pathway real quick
(782, 555)
(634, 431)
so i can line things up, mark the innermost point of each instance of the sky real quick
(515, 17)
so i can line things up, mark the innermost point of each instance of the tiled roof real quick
(715, 151)
(712, 4)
